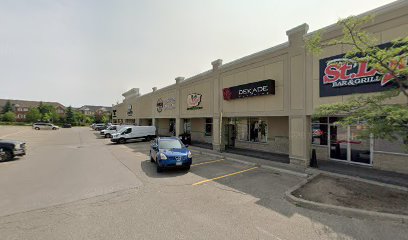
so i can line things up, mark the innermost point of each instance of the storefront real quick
(266, 134)
(265, 101)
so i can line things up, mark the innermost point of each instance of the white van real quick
(134, 132)
(111, 130)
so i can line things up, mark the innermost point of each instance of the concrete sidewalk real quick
(392, 178)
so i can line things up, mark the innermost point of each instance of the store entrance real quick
(230, 137)
(347, 145)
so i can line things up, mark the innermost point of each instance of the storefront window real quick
(208, 127)
(242, 129)
(252, 129)
(172, 127)
(187, 126)
(319, 134)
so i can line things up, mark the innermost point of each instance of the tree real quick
(48, 112)
(387, 121)
(9, 117)
(69, 115)
(7, 107)
(33, 115)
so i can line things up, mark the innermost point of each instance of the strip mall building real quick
(264, 102)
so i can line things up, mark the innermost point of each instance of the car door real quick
(127, 133)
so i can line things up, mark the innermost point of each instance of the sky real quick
(79, 52)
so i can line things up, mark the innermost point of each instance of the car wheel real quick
(9, 155)
(37, 128)
(108, 135)
(122, 141)
(159, 169)
(187, 168)
(54, 128)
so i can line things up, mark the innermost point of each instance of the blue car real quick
(170, 152)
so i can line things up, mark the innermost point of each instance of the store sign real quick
(130, 111)
(194, 101)
(166, 104)
(342, 76)
(265, 87)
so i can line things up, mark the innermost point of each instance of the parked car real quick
(41, 125)
(2, 155)
(111, 130)
(134, 132)
(11, 149)
(67, 125)
(99, 126)
(169, 152)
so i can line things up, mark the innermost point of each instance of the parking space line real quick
(224, 176)
(214, 161)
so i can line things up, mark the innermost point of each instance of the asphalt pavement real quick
(73, 184)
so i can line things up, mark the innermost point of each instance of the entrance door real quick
(230, 135)
(346, 145)
(338, 143)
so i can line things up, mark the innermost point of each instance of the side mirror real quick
(154, 146)
(186, 145)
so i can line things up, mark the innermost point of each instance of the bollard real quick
(313, 160)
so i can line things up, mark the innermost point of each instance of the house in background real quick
(90, 110)
(22, 107)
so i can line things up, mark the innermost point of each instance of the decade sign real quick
(265, 87)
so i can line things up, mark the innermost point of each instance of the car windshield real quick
(170, 144)
(122, 130)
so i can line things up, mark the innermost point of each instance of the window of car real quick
(126, 130)
(170, 144)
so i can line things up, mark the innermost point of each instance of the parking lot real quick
(75, 181)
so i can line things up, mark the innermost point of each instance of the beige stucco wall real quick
(143, 106)
(165, 94)
(272, 68)
(198, 131)
(203, 87)
(163, 126)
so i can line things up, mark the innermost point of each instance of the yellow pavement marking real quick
(224, 176)
(197, 164)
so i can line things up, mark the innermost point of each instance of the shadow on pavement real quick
(149, 168)
(269, 188)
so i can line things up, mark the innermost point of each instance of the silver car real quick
(47, 126)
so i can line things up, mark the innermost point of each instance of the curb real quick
(276, 169)
(340, 210)
(317, 171)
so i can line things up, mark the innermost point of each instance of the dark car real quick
(11, 149)
(99, 127)
(67, 125)
(169, 152)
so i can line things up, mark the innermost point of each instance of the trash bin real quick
(185, 138)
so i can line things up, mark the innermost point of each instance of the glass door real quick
(360, 149)
(338, 143)
(346, 145)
